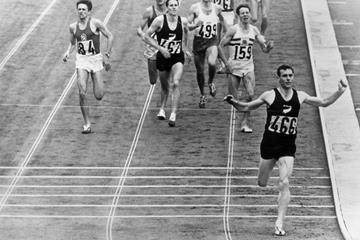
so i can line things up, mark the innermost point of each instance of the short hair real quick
(241, 6)
(167, 2)
(284, 67)
(88, 3)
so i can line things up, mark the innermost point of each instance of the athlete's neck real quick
(84, 20)
(245, 25)
(286, 92)
(171, 18)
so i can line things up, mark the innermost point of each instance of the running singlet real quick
(224, 4)
(282, 119)
(241, 47)
(208, 29)
(88, 42)
(171, 39)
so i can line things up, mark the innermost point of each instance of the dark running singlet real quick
(88, 42)
(172, 41)
(281, 127)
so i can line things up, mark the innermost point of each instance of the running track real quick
(134, 177)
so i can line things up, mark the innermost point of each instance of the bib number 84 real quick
(86, 47)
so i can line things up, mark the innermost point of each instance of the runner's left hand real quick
(106, 64)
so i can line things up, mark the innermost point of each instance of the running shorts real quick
(201, 44)
(165, 64)
(91, 63)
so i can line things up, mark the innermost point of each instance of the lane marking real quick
(149, 168)
(352, 74)
(165, 216)
(108, 107)
(226, 210)
(342, 23)
(25, 36)
(123, 176)
(162, 206)
(351, 62)
(169, 196)
(349, 46)
(45, 127)
(337, 2)
(164, 186)
(144, 177)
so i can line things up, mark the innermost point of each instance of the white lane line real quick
(148, 168)
(337, 2)
(352, 74)
(123, 176)
(107, 107)
(164, 216)
(351, 62)
(226, 210)
(26, 35)
(168, 196)
(162, 206)
(349, 46)
(342, 23)
(164, 186)
(23, 164)
(143, 177)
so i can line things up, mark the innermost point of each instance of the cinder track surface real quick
(170, 183)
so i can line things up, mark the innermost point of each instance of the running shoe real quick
(172, 119)
(246, 129)
(202, 101)
(161, 114)
(229, 98)
(86, 129)
(279, 231)
(212, 89)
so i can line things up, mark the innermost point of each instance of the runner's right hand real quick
(66, 57)
(165, 52)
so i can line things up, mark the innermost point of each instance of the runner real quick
(171, 31)
(278, 144)
(204, 17)
(85, 33)
(227, 8)
(148, 17)
(241, 38)
(262, 6)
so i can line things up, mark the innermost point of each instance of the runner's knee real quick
(283, 184)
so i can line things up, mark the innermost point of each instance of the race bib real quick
(225, 4)
(283, 124)
(86, 47)
(208, 30)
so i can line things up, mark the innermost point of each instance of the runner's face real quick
(244, 15)
(82, 10)
(173, 7)
(286, 78)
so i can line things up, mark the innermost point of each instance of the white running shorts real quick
(91, 63)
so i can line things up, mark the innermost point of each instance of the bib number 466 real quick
(283, 124)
